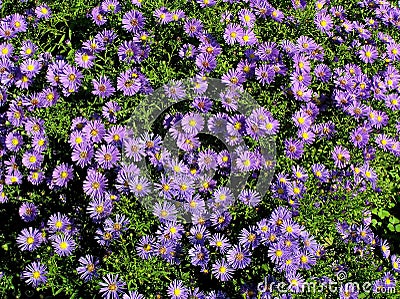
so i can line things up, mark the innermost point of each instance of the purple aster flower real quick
(222, 271)
(29, 239)
(94, 130)
(192, 123)
(323, 72)
(14, 141)
(99, 209)
(98, 16)
(233, 78)
(58, 223)
(206, 62)
(340, 156)
(163, 15)
(111, 6)
(248, 38)
(302, 120)
(95, 184)
(176, 290)
(368, 54)
(140, 186)
(348, 291)
(296, 282)
(28, 211)
(175, 90)
(43, 11)
(6, 50)
(88, 267)
(63, 245)
(202, 104)
(107, 156)
(129, 82)
(111, 287)
(232, 33)
(71, 78)
(82, 154)
(133, 294)
(193, 27)
(250, 197)
(178, 15)
(84, 59)
(220, 242)
(35, 274)
(323, 22)
(145, 248)
(133, 21)
(220, 219)
(32, 160)
(62, 174)
(293, 148)
(320, 172)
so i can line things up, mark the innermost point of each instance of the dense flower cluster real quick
(104, 152)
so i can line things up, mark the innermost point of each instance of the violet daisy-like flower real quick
(88, 267)
(238, 257)
(35, 274)
(43, 11)
(94, 130)
(265, 74)
(95, 184)
(6, 50)
(232, 33)
(30, 67)
(63, 245)
(84, 59)
(133, 21)
(193, 27)
(296, 282)
(71, 78)
(140, 186)
(222, 271)
(29, 239)
(176, 290)
(28, 211)
(82, 154)
(145, 248)
(14, 141)
(320, 172)
(62, 174)
(233, 78)
(192, 123)
(165, 211)
(103, 87)
(163, 15)
(32, 160)
(98, 16)
(99, 209)
(129, 82)
(111, 287)
(111, 6)
(202, 104)
(340, 156)
(133, 294)
(107, 156)
(58, 223)
(348, 291)
(206, 62)
(323, 22)
(175, 90)
(294, 148)
(250, 197)
(368, 54)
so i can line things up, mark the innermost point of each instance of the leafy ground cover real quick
(323, 83)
